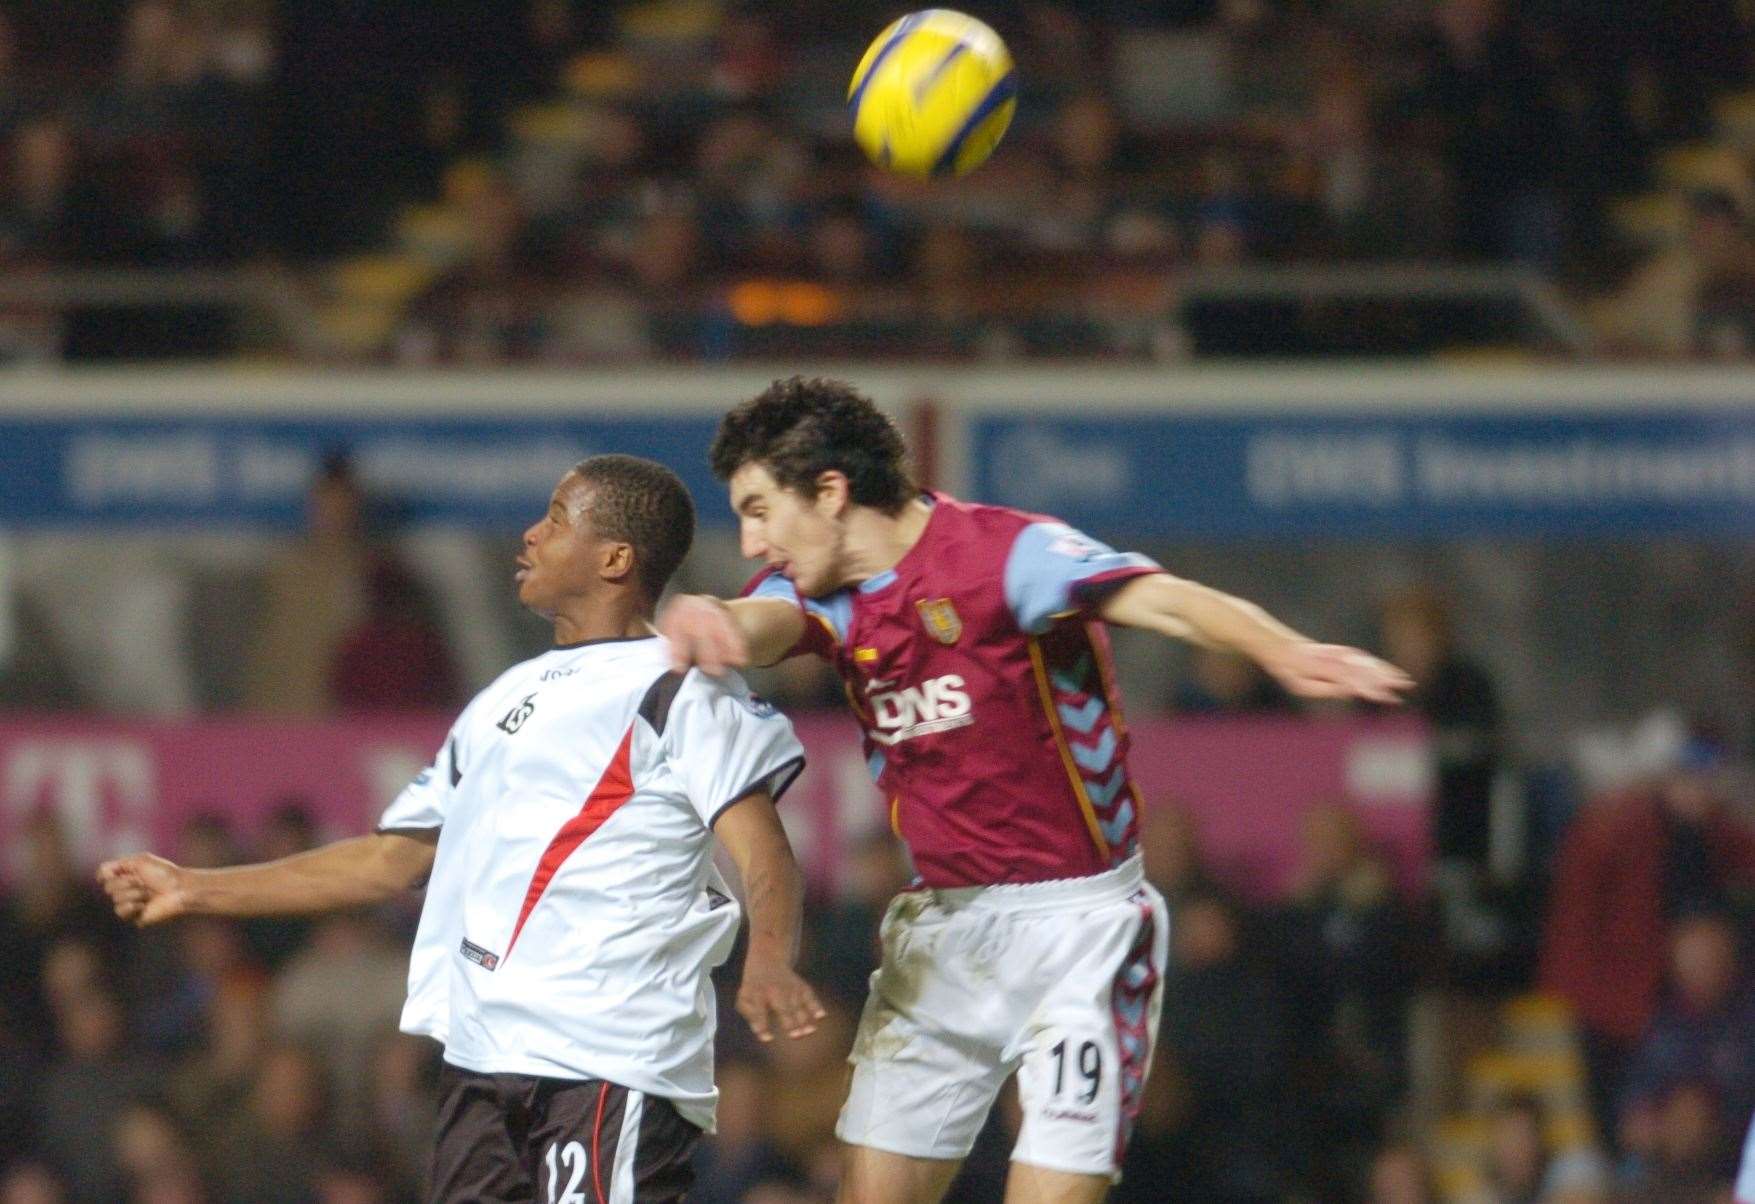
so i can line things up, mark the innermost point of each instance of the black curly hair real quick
(801, 427)
(644, 504)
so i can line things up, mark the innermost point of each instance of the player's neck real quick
(875, 542)
(596, 619)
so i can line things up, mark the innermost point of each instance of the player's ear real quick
(834, 493)
(615, 560)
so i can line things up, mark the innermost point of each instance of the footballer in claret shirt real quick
(971, 641)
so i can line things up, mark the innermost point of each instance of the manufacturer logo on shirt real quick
(941, 619)
(481, 957)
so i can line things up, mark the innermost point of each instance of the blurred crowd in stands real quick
(611, 182)
(1344, 1041)
(614, 182)
(258, 1061)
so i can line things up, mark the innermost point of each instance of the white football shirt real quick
(573, 912)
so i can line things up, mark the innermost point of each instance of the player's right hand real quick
(701, 632)
(773, 998)
(145, 889)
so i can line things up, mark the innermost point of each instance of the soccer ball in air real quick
(933, 95)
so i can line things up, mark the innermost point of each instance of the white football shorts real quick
(1061, 982)
(1745, 1189)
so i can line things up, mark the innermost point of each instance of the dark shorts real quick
(513, 1137)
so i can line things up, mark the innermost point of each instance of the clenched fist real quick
(145, 889)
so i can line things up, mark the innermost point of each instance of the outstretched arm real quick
(1191, 611)
(718, 635)
(349, 873)
(774, 897)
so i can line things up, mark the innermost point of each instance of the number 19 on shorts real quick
(1087, 1067)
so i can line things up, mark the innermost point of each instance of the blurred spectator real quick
(946, 273)
(1226, 683)
(345, 1183)
(207, 842)
(1154, 1157)
(1697, 298)
(31, 1183)
(741, 1154)
(342, 994)
(402, 1107)
(20, 1070)
(1492, 100)
(1458, 699)
(72, 967)
(211, 1083)
(1371, 202)
(1681, 1154)
(38, 217)
(290, 829)
(839, 247)
(841, 933)
(396, 658)
(488, 309)
(1171, 849)
(1345, 980)
(1705, 1033)
(315, 593)
(808, 1085)
(50, 898)
(1226, 1037)
(86, 1092)
(654, 164)
(1400, 1174)
(273, 1149)
(1626, 867)
(152, 1151)
(1523, 1167)
(195, 961)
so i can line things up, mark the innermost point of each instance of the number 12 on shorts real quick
(571, 1158)
(1087, 1064)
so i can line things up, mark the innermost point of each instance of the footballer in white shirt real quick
(573, 912)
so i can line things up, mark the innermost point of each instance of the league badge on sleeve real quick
(941, 619)
(1074, 546)
(756, 705)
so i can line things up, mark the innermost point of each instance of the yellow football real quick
(933, 95)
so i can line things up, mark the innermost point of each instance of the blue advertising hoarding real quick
(1418, 475)
(201, 471)
(1144, 473)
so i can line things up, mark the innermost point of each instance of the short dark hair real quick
(800, 428)
(644, 504)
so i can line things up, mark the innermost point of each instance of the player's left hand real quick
(773, 998)
(1312, 670)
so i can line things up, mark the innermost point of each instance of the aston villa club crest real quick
(941, 619)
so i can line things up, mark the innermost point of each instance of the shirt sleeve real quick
(725, 743)
(1054, 570)
(825, 621)
(423, 803)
